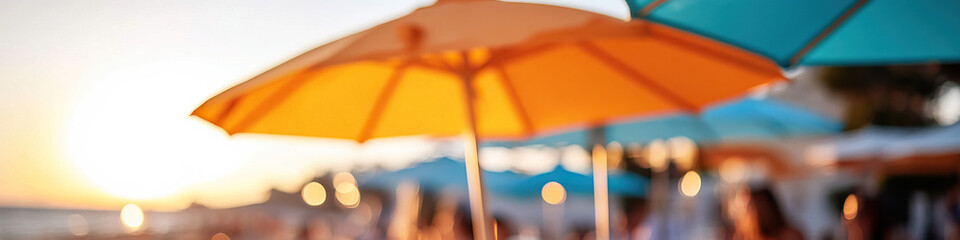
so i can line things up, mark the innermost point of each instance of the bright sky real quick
(94, 98)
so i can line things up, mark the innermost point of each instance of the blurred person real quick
(579, 233)
(635, 212)
(429, 208)
(952, 203)
(318, 229)
(763, 219)
(905, 206)
(504, 228)
(444, 215)
(463, 224)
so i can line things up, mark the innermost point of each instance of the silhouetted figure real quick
(763, 219)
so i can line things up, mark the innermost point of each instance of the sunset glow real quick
(144, 146)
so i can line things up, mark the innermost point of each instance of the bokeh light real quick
(690, 184)
(733, 170)
(553, 193)
(635, 151)
(344, 182)
(314, 194)
(220, 236)
(614, 155)
(947, 106)
(657, 155)
(346, 191)
(132, 216)
(684, 151)
(820, 155)
(78, 225)
(850, 207)
(348, 195)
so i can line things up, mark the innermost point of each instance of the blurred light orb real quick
(635, 152)
(733, 170)
(947, 106)
(850, 207)
(614, 155)
(820, 155)
(314, 194)
(348, 195)
(345, 187)
(684, 151)
(132, 216)
(78, 225)
(553, 193)
(574, 158)
(220, 236)
(690, 184)
(342, 178)
(657, 155)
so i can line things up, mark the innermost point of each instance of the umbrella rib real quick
(435, 67)
(512, 55)
(826, 32)
(638, 78)
(517, 105)
(227, 111)
(650, 7)
(267, 105)
(385, 94)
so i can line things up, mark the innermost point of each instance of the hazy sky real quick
(94, 97)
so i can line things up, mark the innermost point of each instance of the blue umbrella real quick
(820, 32)
(444, 173)
(743, 119)
(765, 119)
(624, 184)
(435, 175)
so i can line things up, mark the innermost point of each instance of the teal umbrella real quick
(437, 174)
(446, 173)
(621, 183)
(820, 32)
(744, 119)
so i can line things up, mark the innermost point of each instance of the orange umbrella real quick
(490, 69)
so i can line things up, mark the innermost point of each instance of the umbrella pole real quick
(601, 200)
(482, 229)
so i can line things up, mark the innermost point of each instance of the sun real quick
(131, 134)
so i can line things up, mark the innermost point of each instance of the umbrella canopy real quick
(744, 119)
(820, 32)
(892, 150)
(892, 143)
(626, 184)
(487, 69)
(561, 67)
(437, 174)
(766, 119)
(447, 173)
